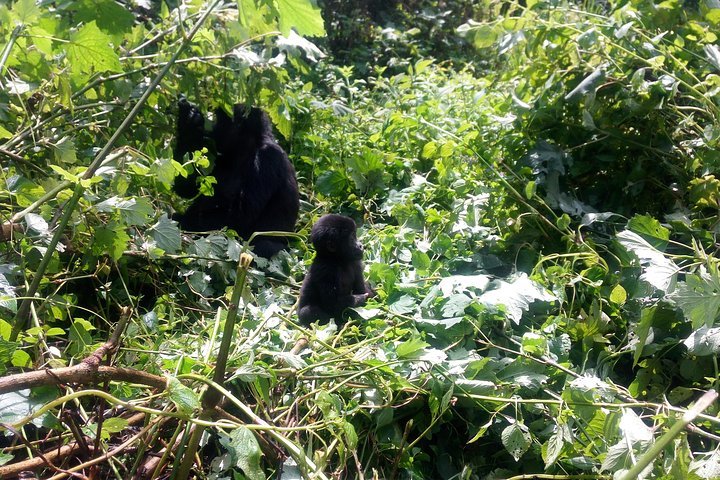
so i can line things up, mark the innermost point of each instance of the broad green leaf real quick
(79, 336)
(331, 183)
(245, 452)
(294, 44)
(651, 230)
(534, 344)
(404, 304)
(516, 295)
(252, 15)
(4, 133)
(411, 348)
(110, 16)
(166, 234)
(26, 11)
(134, 211)
(618, 457)
(90, 51)
(21, 359)
(112, 240)
(658, 271)
(184, 398)
(7, 350)
(302, 15)
(65, 151)
(516, 440)
(704, 341)
(699, 298)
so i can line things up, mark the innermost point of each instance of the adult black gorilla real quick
(256, 188)
(335, 280)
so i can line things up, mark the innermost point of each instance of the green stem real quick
(213, 396)
(6, 53)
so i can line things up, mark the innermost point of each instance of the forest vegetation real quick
(535, 185)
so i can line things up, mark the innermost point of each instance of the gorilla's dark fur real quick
(335, 280)
(256, 188)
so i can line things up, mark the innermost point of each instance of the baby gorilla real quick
(335, 279)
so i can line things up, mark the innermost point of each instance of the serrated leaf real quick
(516, 295)
(90, 51)
(411, 347)
(404, 304)
(166, 235)
(516, 440)
(26, 11)
(184, 398)
(658, 271)
(331, 183)
(617, 457)
(699, 298)
(302, 15)
(112, 240)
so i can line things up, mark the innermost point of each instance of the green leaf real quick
(651, 230)
(647, 317)
(516, 295)
(21, 359)
(516, 440)
(26, 11)
(134, 211)
(111, 17)
(534, 344)
(302, 15)
(7, 295)
(699, 298)
(166, 235)
(5, 458)
(411, 347)
(586, 86)
(404, 304)
(618, 295)
(79, 336)
(7, 350)
(184, 398)
(112, 240)
(704, 341)
(64, 150)
(245, 452)
(658, 271)
(331, 183)
(4, 133)
(90, 51)
(114, 425)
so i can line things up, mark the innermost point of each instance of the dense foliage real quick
(536, 188)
